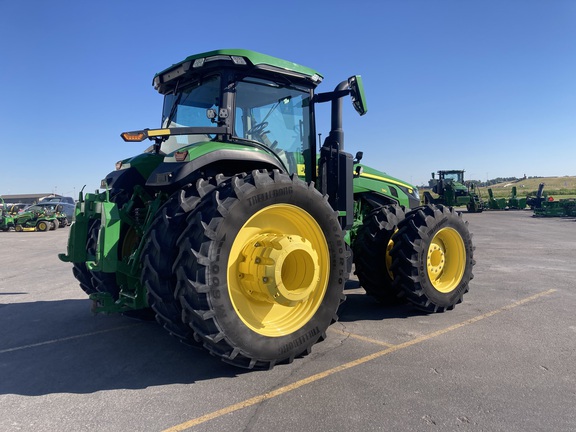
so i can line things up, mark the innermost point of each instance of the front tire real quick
(262, 269)
(433, 258)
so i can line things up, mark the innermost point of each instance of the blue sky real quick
(488, 86)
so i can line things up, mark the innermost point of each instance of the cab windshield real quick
(188, 108)
(456, 177)
(267, 113)
(275, 115)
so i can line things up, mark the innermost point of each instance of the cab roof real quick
(239, 58)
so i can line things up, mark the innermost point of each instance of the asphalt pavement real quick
(503, 360)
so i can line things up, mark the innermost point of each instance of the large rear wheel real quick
(372, 256)
(261, 269)
(160, 252)
(433, 257)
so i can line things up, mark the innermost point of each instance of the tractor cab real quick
(254, 102)
(230, 111)
(452, 180)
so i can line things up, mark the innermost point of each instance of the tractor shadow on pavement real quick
(361, 307)
(60, 347)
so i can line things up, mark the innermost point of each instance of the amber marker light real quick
(133, 136)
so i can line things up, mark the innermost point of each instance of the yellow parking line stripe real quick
(260, 398)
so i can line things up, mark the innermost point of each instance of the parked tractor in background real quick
(238, 235)
(452, 191)
(35, 218)
(59, 210)
(6, 219)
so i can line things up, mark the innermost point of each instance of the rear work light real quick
(181, 156)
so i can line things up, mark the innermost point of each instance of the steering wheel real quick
(257, 129)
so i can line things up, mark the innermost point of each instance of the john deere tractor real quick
(35, 218)
(238, 234)
(6, 219)
(451, 190)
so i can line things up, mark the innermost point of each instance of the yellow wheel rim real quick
(278, 270)
(42, 226)
(446, 260)
(388, 258)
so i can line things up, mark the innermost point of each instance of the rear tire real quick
(160, 252)
(84, 278)
(79, 270)
(433, 258)
(261, 269)
(372, 256)
(101, 281)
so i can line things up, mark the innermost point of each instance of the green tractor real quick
(6, 219)
(238, 234)
(452, 191)
(35, 218)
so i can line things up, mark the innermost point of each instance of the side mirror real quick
(357, 94)
(358, 157)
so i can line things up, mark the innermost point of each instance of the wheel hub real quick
(446, 260)
(436, 259)
(279, 269)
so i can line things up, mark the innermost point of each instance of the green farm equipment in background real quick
(535, 200)
(238, 235)
(557, 208)
(495, 203)
(547, 206)
(513, 202)
(452, 191)
(35, 219)
(55, 209)
(6, 219)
